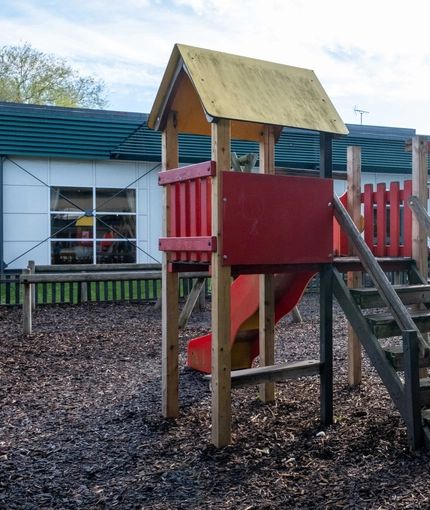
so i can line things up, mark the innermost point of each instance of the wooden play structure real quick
(275, 232)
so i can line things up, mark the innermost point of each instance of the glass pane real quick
(74, 227)
(71, 199)
(115, 252)
(71, 252)
(122, 226)
(115, 200)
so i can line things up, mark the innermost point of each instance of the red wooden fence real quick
(387, 221)
(190, 197)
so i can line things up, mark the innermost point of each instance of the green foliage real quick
(33, 77)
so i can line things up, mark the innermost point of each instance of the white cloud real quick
(372, 53)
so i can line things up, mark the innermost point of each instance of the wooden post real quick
(26, 306)
(221, 281)
(354, 277)
(420, 190)
(267, 282)
(412, 390)
(83, 289)
(326, 301)
(32, 267)
(169, 286)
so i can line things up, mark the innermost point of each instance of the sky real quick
(371, 56)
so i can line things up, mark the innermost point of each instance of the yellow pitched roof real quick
(204, 85)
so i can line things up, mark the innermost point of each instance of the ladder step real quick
(384, 325)
(395, 355)
(425, 391)
(273, 373)
(409, 295)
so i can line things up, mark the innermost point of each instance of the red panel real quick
(187, 172)
(273, 219)
(340, 241)
(193, 232)
(381, 220)
(394, 249)
(184, 244)
(407, 220)
(369, 217)
(174, 213)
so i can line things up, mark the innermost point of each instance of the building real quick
(81, 186)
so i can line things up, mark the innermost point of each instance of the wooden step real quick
(425, 391)
(395, 355)
(273, 373)
(409, 294)
(384, 325)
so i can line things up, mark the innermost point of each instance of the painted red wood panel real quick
(272, 219)
(407, 220)
(369, 216)
(188, 244)
(381, 219)
(393, 250)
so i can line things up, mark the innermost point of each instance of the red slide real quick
(289, 288)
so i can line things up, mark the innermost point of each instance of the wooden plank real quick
(385, 326)
(191, 302)
(379, 279)
(267, 281)
(275, 373)
(425, 392)
(409, 294)
(354, 278)
(221, 279)
(412, 390)
(420, 191)
(395, 356)
(369, 217)
(169, 287)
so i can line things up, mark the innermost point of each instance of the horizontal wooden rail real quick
(273, 373)
(100, 277)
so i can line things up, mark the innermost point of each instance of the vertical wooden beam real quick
(420, 190)
(412, 389)
(170, 286)
(221, 281)
(267, 281)
(26, 306)
(326, 343)
(326, 155)
(326, 301)
(32, 267)
(354, 277)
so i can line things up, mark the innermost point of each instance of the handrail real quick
(378, 277)
(420, 213)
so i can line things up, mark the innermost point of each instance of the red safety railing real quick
(387, 221)
(190, 214)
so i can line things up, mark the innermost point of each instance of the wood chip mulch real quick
(81, 425)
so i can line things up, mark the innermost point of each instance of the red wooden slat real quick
(381, 220)
(367, 199)
(186, 244)
(174, 214)
(393, 250)
(407, 220)
(185, 173)
(193, 214)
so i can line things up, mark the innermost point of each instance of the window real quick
(93, 226)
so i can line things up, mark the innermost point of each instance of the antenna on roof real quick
(356, 110)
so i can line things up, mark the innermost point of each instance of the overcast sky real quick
(371, 55)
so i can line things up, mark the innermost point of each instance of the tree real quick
(31, 76)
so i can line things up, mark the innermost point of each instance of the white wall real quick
(27, 202)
